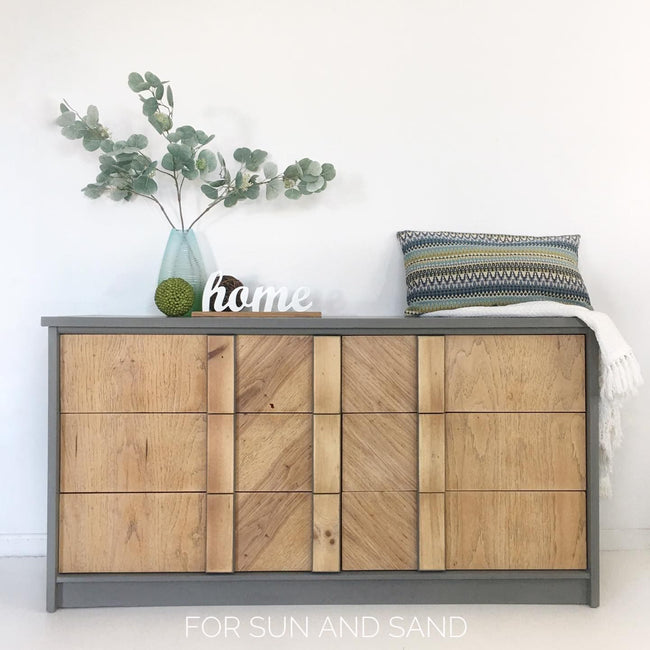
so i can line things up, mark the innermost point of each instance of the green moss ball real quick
(174, 297)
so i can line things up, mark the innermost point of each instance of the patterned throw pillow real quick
(447, 270)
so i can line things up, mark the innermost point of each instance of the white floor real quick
(621, 622)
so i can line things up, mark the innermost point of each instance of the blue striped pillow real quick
(447, 270)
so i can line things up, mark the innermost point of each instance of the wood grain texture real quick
(327, 454)
(431, 532)
(379, 531)
(326, 553)
(515, 373)
(380, 452)
(327, 374)
(105, 373)
(221, 374)
(274, 374)
(379, 374)
(431, 452)
(516, 451)
(221, 454)
(516, 530)
(431, 374)
(219, 555)
(132, 452)
(273, 452)
(273, 531)
(144, 532)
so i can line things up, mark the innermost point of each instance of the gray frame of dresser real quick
(349, 587)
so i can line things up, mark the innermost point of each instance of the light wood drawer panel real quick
(145, 532)
(516, 530)
(274, 374)
(515, 373)
(380, 531)
(219, 534)
(221, 374)
(327, 533)
(273, 531)
(515, 451)
(327, 374)
(133, 452)
(133, 373)
(379, 374)
(380, 452)
(273, 452)
(431, 531)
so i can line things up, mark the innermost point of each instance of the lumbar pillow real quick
(447, 270)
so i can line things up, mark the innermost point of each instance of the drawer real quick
(143, 532)
(515, 373)
(379, 531)
(133, 452)
(379, 374)
(274, 374)
(516, 530)
(273, 531)
(132, 373)
(516, 451)
(380, 452)
(273, 452)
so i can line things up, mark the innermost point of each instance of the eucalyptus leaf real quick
(92, 117)
(274, 188)
(117, 195)
(159, 92)
(255, 159)
(170, 97)
(210, 192)
(230, 200)
(190, 173)
(63, 108)
(91, 143)
(66, 119)
(180, 151)
(152, 79)
(144, 185)
(253, 192)
(316, 185)
(270, 170)
(206, 162)
(222, 162)
(170, 163)
(93, 191)
(137, 83)
(242, 155)
(292, 194)
(106, 146)
(314, 168)
(328, 172)
(74, 131)
(292, 172)
(149, 106)
(239, 180)
(138, 141)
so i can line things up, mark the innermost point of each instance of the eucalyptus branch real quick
(124, 163)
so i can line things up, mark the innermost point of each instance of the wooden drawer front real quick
(380, 531)
(274, 374)
(273, 452)
(133, 373)
(133, 452)
(379, 374)
(380, 452)
(516, 451)
(142, 532)
(516, 530)
(273, 532)
(221, 374)
(515, 373)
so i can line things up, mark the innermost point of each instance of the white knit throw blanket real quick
(619, 372)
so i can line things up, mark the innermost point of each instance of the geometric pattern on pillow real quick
(447, 270)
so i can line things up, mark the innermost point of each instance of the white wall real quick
(514, 116)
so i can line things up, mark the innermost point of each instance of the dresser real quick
(225, 461)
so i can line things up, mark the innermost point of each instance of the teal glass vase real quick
(182, 259)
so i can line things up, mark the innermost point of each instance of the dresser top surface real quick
(377, 325)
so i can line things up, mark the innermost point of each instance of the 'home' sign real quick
(240, 298)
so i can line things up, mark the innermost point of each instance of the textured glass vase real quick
(182, 259)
